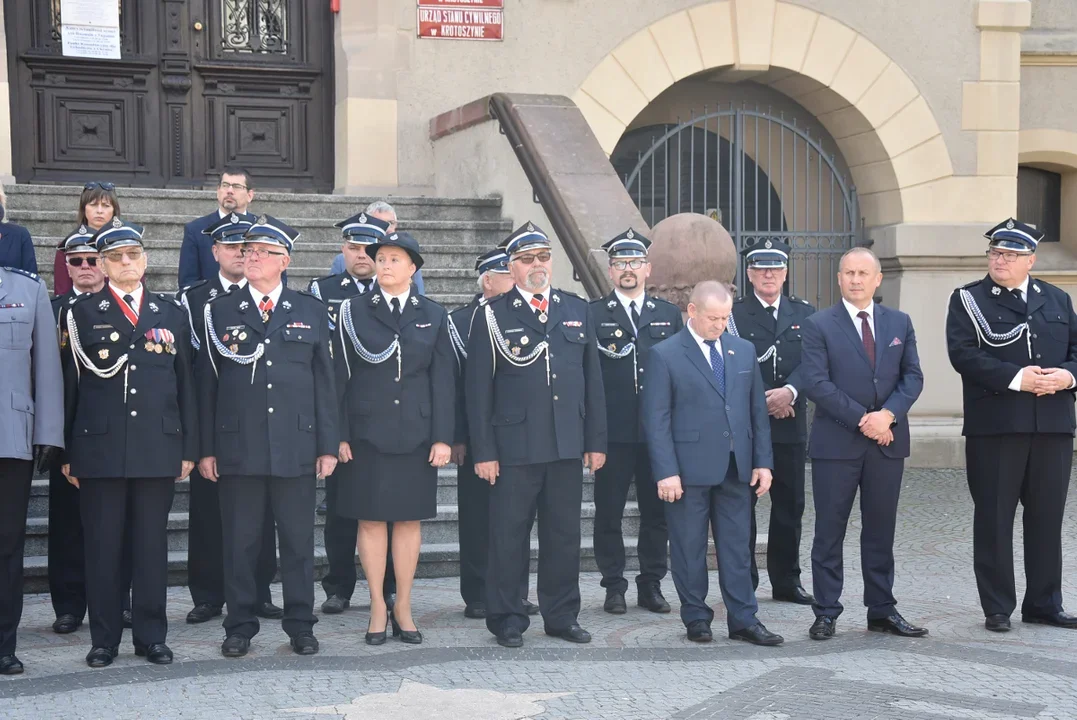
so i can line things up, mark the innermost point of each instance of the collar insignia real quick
(996, 290)
(517, 302)
(153, 307)
(557, 298)
(344, 281)
(213, 292)
(244, 305)
(414, 301)
(375, 299)
(611, 304)
(286, 305)
(1035, 287)
(650, 305)
(103, 305)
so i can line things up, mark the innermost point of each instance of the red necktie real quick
(869, 339)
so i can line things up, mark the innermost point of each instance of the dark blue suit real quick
(196, 260)
(837, 376)
(712, 440)
(16, 248)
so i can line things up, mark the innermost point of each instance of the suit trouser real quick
(67, 562)
(341, 535)
(126, 516)
(1033, 469)
(16, 478)
(786, 512)
(555, 491)
(725, 510)
(243, 517)
(834, 486)
(205, 549)
(625, 461)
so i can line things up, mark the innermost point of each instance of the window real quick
(1039, 200)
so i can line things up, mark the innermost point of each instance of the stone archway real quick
(882, 124)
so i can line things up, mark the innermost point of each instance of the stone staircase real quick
(439, 557)
(451, 231)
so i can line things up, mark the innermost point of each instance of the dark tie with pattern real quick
(635, 315)
(717, 364)
(131, 302)
(869, 339)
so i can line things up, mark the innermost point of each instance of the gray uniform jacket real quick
(31, 383)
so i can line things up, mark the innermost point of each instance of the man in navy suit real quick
(708, 432)
(234, 194)
(859, 365)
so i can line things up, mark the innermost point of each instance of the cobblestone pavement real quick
(639, 665)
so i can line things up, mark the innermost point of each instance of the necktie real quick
(1016, 292)
(869, 339)
(233, 287)
(540, 304)
(395, 304)
(772, 313)
(635, 315)
(131, 302)
(266, 306)
(717, 365)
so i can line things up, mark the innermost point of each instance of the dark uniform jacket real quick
(193, 298)
(142, 421)
(623, 378)
(991, 408)
(276, 415)
(396, 416)
(333, 290)
(753, 323)
(462, 319)
(527, 415)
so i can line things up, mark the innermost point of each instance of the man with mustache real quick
(536, 406)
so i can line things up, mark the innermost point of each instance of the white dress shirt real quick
(703, 346)
(627, 303)
(136, 294)
(857, 322)
(364, 285)
(274, 294)
(402, 297)
(226, 283)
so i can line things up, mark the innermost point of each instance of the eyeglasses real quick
(77, 261)
(260, 253)
(232, 186)
(1006, 257)
(528, 259)
(117, 256)
(766, 270)
(625, 264)
(106, 186)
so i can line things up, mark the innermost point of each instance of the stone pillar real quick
(370, 50)
(7, 175)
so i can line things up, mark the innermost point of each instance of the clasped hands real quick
(780, 403)
(876, 425)
(1045, 381)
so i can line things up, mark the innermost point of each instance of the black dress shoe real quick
(823, 628)
(530, 608)
(757, 635)
(896, 625)
(997, 623)
(235, 646)
(475, 610)
(335, 604)
(158, 653)
(699, 631)
(66, 624)
(615, 603)
(100, 657)
(573, 633)
(1058, 619)
(203, 613)
(305, 644)
(797, 595)
(10, 665)
(510, 638)
(269, 611)
(650, 598)
(128, 618)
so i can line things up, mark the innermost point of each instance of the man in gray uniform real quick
(31, 428)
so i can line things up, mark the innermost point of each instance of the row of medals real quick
(241, 336)
(150, 346)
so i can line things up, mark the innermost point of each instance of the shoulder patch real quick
(33, 276)
(974, 283)
(741, 299)
(193, 285)
(802, 301)
(310, 295)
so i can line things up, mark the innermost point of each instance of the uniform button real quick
(727, 408)
(269, 386)
(267, 341)
(554, 376)
(554, 397)
(134, 413)
(132, 347)
(641, 371)
(270, 409)
(134, 367)
(269, 363)
(725, 434)
(396, 402)
(875, 381)
(134, 391)
(777, 342)
(1034, 336)
(779, 359)
(781, 376)
(1037, 356)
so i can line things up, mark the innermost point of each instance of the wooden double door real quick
(201, 85)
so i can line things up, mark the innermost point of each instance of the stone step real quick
(194, 203)
(444, 528)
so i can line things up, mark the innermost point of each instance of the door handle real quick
(198, 26)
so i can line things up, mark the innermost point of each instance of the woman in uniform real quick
(396, 368)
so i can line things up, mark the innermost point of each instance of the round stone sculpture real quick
(687, 249)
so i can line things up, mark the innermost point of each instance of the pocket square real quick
(895, 341)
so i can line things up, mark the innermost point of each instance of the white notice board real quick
(90, 28)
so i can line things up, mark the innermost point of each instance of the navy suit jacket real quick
(691, 426)
(837, 376)
(196, 253)
(16, 248)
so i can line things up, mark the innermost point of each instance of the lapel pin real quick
(104, 305)
(244, 305)
(996, 291)
(287, 305)
(732, 353)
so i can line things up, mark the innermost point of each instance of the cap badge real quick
(1009, 224)
(530, 227)
(262, 220)
(630, 234)
(83, 230)
(117, 223)
(234, 218)
(768, 244)
(362, 217)
(996, 291)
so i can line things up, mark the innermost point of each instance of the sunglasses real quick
(528, 259)
(106, 186)
(77, 261)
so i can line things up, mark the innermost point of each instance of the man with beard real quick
(535, 408)
(205, 551)
(358, 277)
(629, 323)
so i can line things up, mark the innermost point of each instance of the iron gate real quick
(761, 175)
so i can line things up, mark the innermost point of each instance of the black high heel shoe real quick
(396, 625)
(411, 637)
(378, 638)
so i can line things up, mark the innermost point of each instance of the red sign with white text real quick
(481, 20)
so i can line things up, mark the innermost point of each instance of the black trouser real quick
(834, 486)
(67, 562)
(1033, 469)
(131, 513)
(555, 490)
(16, 477)
(625, 461)
(341, 535)
(205, 551)
(786, 512)
(243, 517)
